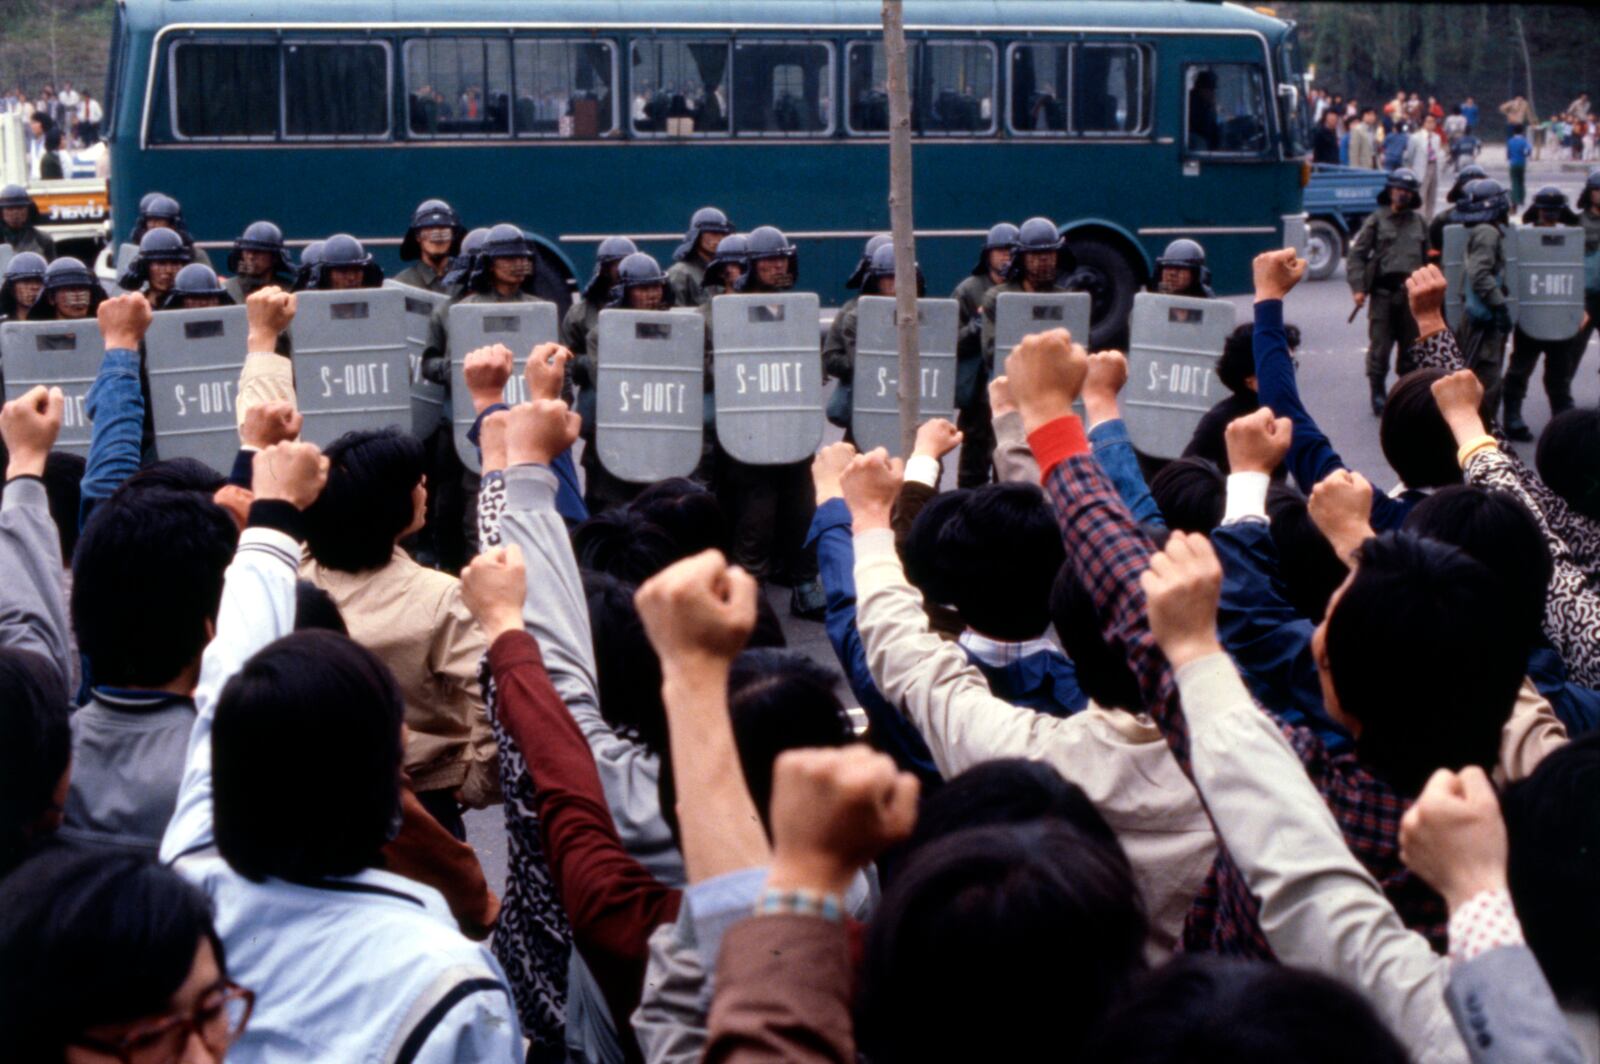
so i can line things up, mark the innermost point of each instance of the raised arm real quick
(1108, 436)
(115, 403)
(33, 609)
(266, 377)
(1013, 461)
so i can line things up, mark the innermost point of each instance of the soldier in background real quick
(689, 261)
(432, 240)
(584, 313)
(1589, 218)
(22, 286)
(70, 293)
(1549, 208)
(839, 346)
(344, 264)
(1391, 244)
(1181, 271)
(1487, 321)
(877, 280)
(308, 265)
(1036, 266)
(195, 288)
(19, 223)
(973, 417)
(162, 253)
(157, 210)
(1467, 176)
(461, 267)
(726, 267)
(258, 259)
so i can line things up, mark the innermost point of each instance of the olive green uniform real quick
(1487, 321)
(29, 238)
(421, 275)
(582, 318)
(839, 362)
(686, 281)
(1387, 250)
(240, 286)
(991, 299)
(973, 417)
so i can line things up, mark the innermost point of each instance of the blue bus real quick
(1129, 122)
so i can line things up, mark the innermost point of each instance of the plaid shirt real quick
(1109, 551)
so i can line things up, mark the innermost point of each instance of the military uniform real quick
(973, 416)
(582, 318)
(839, 363)
(1487, 320)
(421, 275)
(28, 238)
(1386, 251)
(991, 299)
(686, 281)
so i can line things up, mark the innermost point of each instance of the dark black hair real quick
(688, 512)
(1569, 459)
(63, 479)
(52, 140)
(999, 943)
(623, 543)
(1202, 1008)
(1238, 359)
(998, 549)
(1417, 443)
(1553, 824)
(1495, 528)
(1310, 570)
(176, 474)
(35, 748)
(330, 708)
(1009, 790)
(146, 579)
(1420, 654)
(1103, 672)
(920, 549)
(626, 666)
(314, 608)
(1192, 494)
(90, 938)
(367, 503)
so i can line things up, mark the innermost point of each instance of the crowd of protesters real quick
(61, 130)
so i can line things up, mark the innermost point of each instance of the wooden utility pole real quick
(901, 224)
(1527, 66)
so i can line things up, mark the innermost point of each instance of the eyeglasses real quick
(219, 1019)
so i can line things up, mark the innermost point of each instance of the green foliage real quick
(55, 40)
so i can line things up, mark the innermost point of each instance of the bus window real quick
(782, 88)
(1039, 87)
(1108, 89)
(1226, 109)
(224, 90)
(565, 88)
(867, 87)
(336, 90)
(458, 86)
(956, 93)
(680, 88)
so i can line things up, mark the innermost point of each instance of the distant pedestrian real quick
(1517, 151)
(1325, 141)
(1469, 111)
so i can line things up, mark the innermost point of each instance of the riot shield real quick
(649, 395)
(768, 374)
(1549, 280)
(7, 253)
(193, 358)
(427, 398)
(126, 253)
(1453, 261)
(520, 326)
(1173, 346)
(1019, 314)
(876, 420)
(59, 354)
(350, 365)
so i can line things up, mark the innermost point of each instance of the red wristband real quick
(1056, 441)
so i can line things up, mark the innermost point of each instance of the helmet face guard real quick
(431, 214)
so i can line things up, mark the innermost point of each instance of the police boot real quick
(808, 601)
(1379, 397)
(1516, 428)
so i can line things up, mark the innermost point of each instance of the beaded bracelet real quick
(775, 902)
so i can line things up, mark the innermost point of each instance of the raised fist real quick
(486, 371)
(29, 425)
(833, 812)
(269, 311)
(1258, 441)
(1341, 508)
(1454, 837)
(546, 371)
(870, 485)
(494, 585)
(293, 472)
(1047, 372)
(699, 610)
(828, 466)
(1277, 272)
(1181, 590)
(540, 430)
(937, 438)
(123, 320)
(268, 423)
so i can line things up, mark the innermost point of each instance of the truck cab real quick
(76, 209)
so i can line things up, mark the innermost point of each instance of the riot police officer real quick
(877, 280)
(461, 267)
(972, 393)
(839, 347)
(19, 223)
(258, 259)
(343, 265)
(1040, 258)
(1391, 244)
(162, 253)
(1181, 271)
(157, 210)
(689, 261)
(1589, 218)
(1484, 210)
(727, 266)
(1549, 208)
(1469, 173)
(22, 286)
(71, 292)
(309, 258)
(431, 241)
(584, 313)
(196, 287)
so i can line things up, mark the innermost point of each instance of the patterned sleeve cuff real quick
(1487, 921)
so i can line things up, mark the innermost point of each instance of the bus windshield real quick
(1293, 104)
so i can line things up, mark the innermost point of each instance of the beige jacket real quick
(267, 377)
(413, 618)
(1121, 761)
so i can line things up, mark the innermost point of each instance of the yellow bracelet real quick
(1473, 446)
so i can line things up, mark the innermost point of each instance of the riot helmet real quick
(431, 214)
(159, 207)
(266, 238)
(1405, 181)
(638, 271)
(70, 292)
(158, 245)
(1035, 237)
(503, 242)
(1590, 196)
(344, 254)
(731, 254)
(197, 282)
(859, 274)
(766, 244)
(461, 268)
(705, 220)
(309, 258)
(882, 266)
(1469, 173)
(1484, 201)
(15, 197)
(1188, 255)
(1549, 207)
(1003, 236)
(612, 250)
(26, 269)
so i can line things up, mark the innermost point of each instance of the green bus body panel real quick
(571, 193)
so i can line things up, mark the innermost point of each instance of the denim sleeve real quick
(1114, 451)
(116, 409)
(830, 533)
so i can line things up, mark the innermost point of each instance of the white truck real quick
(76, 209)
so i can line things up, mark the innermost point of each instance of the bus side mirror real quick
(1289, 93)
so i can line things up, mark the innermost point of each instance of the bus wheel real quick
(1324, 249)
(1106, 274)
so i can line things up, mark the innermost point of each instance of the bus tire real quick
(1106, 273)
(1324, 249)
